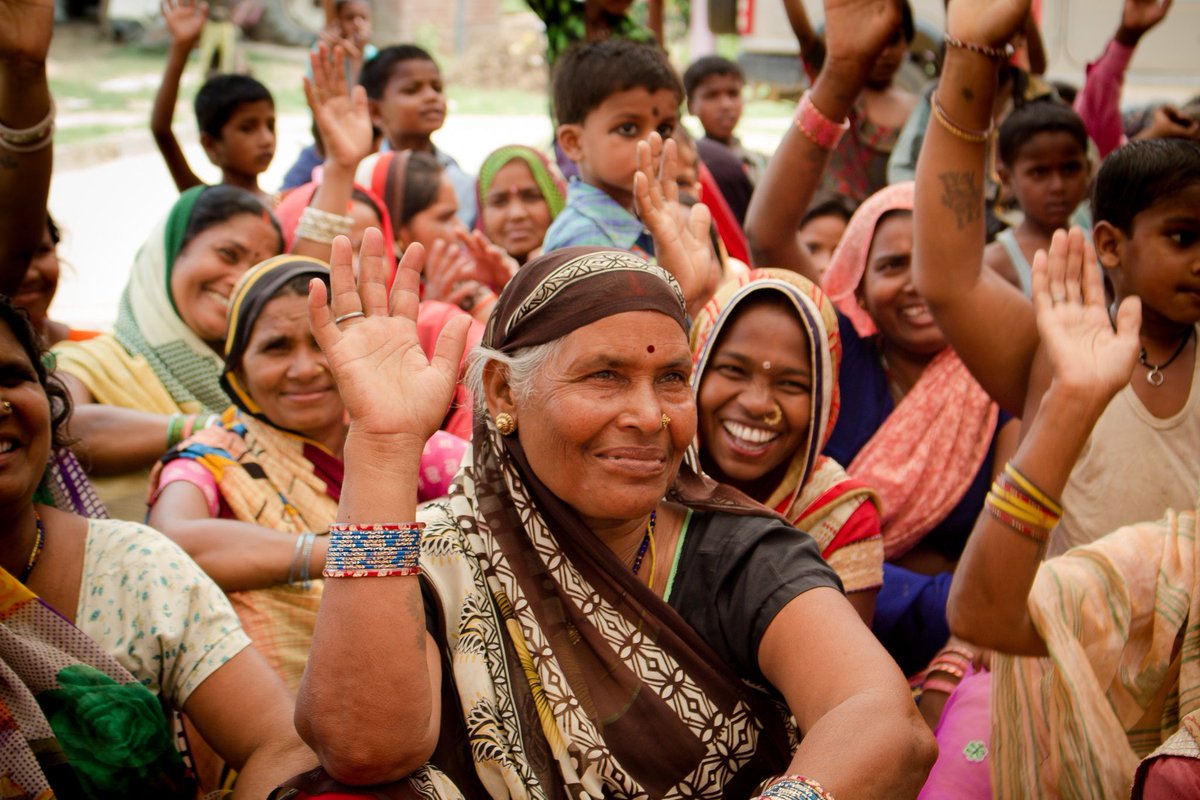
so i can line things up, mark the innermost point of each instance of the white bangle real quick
(27, 140)
(321, 226)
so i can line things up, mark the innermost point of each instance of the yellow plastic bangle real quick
(966, 134)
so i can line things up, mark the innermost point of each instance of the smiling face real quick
(717, 102)
(1049, 178)
(437, 221)
(760, 364)
(515, 212)
(207, 268)
(592, 425)
(247, 142)
(285, 372)
(605, 145)
(413, 102)
(40, 282)
(1160, 260)
(888, 294)
(24, 433)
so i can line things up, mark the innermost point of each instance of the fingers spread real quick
(406, 289)
(373, 273)
(447, 355)
(341, 279)
(320, 318)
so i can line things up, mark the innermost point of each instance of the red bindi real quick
(649, 348)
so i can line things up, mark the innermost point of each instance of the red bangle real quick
(370, 573)
(820, 129)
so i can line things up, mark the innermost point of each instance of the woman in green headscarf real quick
(157, 377)
(520, 193)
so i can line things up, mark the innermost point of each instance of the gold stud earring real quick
(666, 421)
(6, 407)
(506, 423)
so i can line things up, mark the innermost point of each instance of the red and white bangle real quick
(820, 129)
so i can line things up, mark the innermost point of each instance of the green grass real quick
(83, 133)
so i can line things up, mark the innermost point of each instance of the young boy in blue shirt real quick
(608, 96)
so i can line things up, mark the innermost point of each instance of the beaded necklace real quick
(38, 544)
(647, 543)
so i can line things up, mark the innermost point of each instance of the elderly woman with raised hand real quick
(596, 620)
(247, 497)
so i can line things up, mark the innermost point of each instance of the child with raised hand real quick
(1140, 459)
(235, 113)
(1044, 166)
(407, 101)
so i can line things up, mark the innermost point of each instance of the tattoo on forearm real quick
(962, 195)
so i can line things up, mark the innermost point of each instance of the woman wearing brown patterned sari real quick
(592, 620)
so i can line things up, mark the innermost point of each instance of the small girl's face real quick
(1160, 260)
(354, 18)
(820, 237)
(438, 221)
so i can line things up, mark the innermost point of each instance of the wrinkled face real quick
(1050, 178)
(413, 102)
(887, 292)
(285, 372)
(605, 145)
(717, 102)
(889, 61)
(41, 281)
(437, 221)
(592, 425)
(759, 367)
(25, 433)
(247, 142)
(820, 237)
(515, 213)
(211, 263)
(1160, 261)
(354, 19)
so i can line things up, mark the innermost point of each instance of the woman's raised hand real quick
(856, 31)
(493, 266)
(390, 387)
(991, 23)
(681, 247)
(185, 20)
(1089, 359)
(340, 113)
(25, 30)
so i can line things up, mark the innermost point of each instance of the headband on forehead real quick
(567, 289)
(252, 293)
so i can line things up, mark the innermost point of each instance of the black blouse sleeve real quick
(736, 573)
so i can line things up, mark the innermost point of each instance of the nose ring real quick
(775, 417)
(666, 421)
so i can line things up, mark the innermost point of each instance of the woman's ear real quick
(498, 393)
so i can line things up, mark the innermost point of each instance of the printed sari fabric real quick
(816, 495)
(73, 722)
(279, 481)
(1121, 621)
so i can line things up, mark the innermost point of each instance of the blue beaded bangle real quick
(795, 787)
(375, 550)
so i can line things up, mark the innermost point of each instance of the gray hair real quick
(520, 367)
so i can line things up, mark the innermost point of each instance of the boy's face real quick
(605, 145)
(717, 102)
(354, 18)
(413, 102)
(1049, 178)
(247, 142)
(1160, 260)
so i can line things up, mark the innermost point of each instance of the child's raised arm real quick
(856, 31)
(987, 320)
(185, 20)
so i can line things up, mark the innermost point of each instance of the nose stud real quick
(666, 421)
(775, 417)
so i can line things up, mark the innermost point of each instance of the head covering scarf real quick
(250, 296)
(546, 176)
(815, 494)
(59, 692)
(926, 454)
(291, 208)
(385, 175)
(629, 700)
(148, 323)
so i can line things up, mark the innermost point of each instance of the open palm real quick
(185, 20)
(858, 30)
(1142, 15)
(341, 114)
(1086, 354)
(25, 29)
(990, 23)
(389, 385)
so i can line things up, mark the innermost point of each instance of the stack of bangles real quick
(794, 787)
(953, 661)
(182, 426)
(300, 571)
(373, 551)
(1021, 505)
(31, 139)
(322, 227)
(818, 128)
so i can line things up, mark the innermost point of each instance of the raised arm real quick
(856, 31)
(812, 48)
(345, 126)
(987, 320)
(1089, 363)
(25, 29)
(370, 648)
(1035, 47)
(185, 20)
